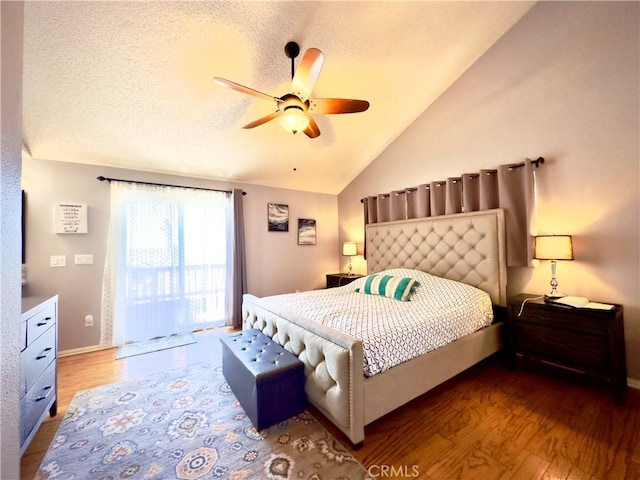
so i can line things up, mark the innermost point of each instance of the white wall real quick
(275, 262)
(563, 83)
(11, 23)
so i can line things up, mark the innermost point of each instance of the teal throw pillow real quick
(399, 288)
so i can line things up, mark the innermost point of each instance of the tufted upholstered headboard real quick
(467, 247)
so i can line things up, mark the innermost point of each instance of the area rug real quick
(155, 344)
(187, 424)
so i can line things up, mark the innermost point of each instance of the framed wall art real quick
(278, 217)
(70, 217)
(306, 231)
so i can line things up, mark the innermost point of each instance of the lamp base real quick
(553, 296)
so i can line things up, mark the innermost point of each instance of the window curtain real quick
(510, 187)
(167, 265)
(237, 262)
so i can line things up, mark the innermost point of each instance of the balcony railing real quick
(169, 300)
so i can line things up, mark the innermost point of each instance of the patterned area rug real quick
(187, 424)
(155, 344)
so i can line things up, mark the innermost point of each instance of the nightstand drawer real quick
(566, 319)
(570, 348)
(340, 279)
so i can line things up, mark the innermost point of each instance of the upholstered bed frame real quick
(465, 247)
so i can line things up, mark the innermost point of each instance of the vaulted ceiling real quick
(130, 84)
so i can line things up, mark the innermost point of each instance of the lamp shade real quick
(553, 247)
(349, 249)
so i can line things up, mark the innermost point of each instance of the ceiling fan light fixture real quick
(294, 109)
(293, 119)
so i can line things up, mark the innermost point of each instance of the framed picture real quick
(306, 231)
(278, 217)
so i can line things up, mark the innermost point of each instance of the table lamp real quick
(553, 247)
(349, 249)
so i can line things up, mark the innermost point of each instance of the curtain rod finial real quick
(537, 162)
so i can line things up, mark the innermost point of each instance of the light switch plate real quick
(58, 261)
(84, 259)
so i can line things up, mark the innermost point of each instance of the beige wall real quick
(563, 83)
(275, 262)
(11, 23)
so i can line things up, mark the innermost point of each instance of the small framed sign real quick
(70, 217)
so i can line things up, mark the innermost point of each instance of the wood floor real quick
(487, 423)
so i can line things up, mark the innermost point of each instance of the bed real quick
(467, 248)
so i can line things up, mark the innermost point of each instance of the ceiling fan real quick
(294, 109)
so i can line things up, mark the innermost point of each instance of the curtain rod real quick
(102, 179)
(536, 163)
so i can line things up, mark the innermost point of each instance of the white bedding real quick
(440, 311)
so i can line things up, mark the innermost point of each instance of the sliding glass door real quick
(166, 271)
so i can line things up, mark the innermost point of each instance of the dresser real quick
(38, 374)
(587, 341)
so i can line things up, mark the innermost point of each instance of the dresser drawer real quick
(37, 400)
(40, 322)
(38, 355)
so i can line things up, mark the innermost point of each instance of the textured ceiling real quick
(130, 84)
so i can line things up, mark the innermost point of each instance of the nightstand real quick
(340, 279)
(588, 341)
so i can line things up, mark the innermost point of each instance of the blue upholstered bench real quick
(267, 380)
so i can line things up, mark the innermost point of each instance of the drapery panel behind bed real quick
(510, 187)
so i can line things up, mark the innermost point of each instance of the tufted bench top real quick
(264, 358)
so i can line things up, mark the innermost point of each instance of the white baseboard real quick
(633, 383)
(78, 351)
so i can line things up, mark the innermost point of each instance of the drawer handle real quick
(48, 389)
(42, 324)
(44, 353)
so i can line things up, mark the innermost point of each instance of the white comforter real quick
(392, 332)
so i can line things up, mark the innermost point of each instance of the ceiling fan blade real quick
(327, 106)
(312, 130)
(242, 88)
(307, 73)
(264, 119)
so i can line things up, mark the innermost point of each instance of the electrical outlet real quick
(88, 321)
